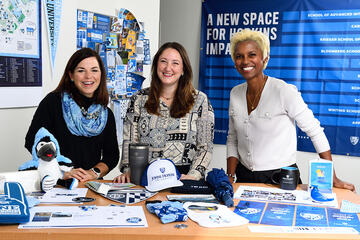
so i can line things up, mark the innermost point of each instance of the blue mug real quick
(286, 177)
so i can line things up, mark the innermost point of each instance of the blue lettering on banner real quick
(315, 45)
(163, 176)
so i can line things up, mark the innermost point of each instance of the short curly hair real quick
(246, 34)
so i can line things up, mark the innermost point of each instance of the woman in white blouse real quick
(262, 116)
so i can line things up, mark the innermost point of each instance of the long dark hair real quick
(101, 95)
(184, 97)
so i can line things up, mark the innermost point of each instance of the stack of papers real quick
(85, 216)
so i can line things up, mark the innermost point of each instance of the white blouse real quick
(266, 139)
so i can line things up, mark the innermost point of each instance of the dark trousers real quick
(246, 176)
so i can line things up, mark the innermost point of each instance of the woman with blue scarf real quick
(76, 113)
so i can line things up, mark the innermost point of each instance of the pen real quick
(203, 208)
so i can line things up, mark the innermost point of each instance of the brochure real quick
(63, 195)
(349, 207)
(250, 210)
(85, 216)
(321, 174)
(310, 216)
(278, 214)
(340, 219)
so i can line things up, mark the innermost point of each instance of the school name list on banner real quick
(315, 45)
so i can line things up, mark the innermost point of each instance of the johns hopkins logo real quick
(162, 170)
(354, 140)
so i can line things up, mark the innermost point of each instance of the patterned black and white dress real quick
(187, 141)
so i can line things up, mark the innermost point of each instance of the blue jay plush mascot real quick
(46, 158)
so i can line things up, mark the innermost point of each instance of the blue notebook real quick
(13, 204)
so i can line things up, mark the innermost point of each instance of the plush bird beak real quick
(47, 152)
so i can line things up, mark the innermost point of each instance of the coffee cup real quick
(286, 177)
(138, 161)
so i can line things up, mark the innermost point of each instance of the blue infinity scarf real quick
(81, 122)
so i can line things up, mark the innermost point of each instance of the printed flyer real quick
(250, 210)
(278, 214)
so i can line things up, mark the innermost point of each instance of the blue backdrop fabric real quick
(315, 45)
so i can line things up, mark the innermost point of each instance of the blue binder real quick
(13, 204)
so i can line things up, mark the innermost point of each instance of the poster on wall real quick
(121, 43)
(20, 53)
(314, 44)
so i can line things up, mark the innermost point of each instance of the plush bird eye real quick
(39, 145)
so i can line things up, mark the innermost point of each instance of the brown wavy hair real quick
(101, 95)
(184, 97)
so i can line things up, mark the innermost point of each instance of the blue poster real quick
(315, 45)
(250, 210)
(340, 219)
(278, 214)
(308, 216)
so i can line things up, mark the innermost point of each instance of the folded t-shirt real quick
(193, 187)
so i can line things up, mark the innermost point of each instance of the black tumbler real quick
(138, 161)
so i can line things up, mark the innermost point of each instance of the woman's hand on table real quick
(80, 174)
(341, 184)
(122, 178)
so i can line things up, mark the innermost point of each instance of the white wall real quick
(181, 22)
(15, 122)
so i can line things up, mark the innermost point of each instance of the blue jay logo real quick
(311, 216)
(317, 196)
(354, 140)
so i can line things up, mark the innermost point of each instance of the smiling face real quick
(87, 76)
(170, 67)
(249, 60)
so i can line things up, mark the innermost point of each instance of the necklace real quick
(88, 115)
(253, 102)
(167, 98)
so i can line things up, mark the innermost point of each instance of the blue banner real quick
(53, 17)
(315, 45)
